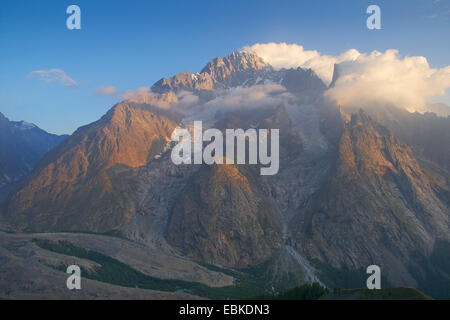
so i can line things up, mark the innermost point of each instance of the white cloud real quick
(365, 79)
(53, 75)
(105, 91)
(257, 96)
(186, 98)
(388, 78)
(136, 94)
(283, 55)
(237, 98)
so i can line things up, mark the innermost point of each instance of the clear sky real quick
(129, 44)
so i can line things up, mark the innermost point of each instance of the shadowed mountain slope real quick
(378, 206)
(22, 145)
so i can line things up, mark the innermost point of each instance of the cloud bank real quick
(257, 96)
(365, 79)
(388, 78)
(53, 75)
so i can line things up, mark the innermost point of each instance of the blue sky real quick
(130, 44)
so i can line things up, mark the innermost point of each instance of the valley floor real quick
(28, 271)
(33, 266)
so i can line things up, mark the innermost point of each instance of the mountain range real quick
(22, 145)
(355, 187)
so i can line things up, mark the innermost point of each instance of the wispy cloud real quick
(105, 91)
(445, 13)
(441, 10)
(53, 75)
(257, 96)
(145, 95)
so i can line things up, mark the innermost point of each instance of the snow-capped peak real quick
(23, 125)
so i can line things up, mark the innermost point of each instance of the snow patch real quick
(23, 125)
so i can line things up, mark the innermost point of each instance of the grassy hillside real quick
(249, 282)
(115, 272)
